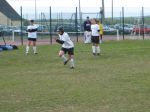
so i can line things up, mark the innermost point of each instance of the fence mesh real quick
(122, 23)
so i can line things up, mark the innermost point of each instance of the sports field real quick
(116, 81)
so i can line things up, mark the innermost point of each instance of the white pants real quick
(87, 37)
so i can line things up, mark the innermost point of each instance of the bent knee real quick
(61, 53)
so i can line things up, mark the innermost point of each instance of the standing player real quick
(32, 37)
(95, 37)
(67, 47)
(101, 32)
(87, 30)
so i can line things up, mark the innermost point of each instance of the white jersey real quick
(32, 34)
(67, 41)
(94, 29)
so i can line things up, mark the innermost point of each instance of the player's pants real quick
(87, 37)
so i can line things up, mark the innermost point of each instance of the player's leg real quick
(93, 45)
(89, 37)
(97, 45)
(101, 37)
(85, 34)
(28, 46)
(62, 55)
(71, 57)
(34, 47)
(98, 49)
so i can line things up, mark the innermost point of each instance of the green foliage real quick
(116, 81)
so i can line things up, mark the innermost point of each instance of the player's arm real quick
(59, 41)
(98, 30)
(32, 30)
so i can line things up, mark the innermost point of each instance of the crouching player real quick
(67, 47)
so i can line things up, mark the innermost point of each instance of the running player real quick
(67, 47)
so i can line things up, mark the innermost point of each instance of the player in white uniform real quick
(67, 47)
(32, 37)
(95, 37)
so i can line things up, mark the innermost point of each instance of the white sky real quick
(63, 5)
(74, 3)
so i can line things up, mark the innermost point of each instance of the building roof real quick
(7, 10)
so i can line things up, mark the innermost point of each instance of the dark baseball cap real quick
(60, 29)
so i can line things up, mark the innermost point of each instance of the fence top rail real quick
(47, 32)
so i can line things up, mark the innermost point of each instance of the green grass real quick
(116, 81)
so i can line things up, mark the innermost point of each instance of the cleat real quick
(36, 53)
(98, 54)
(65, 62)
(71, 67)
(94, 54)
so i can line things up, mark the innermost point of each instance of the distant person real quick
(95, 37)
(32, 37)
(67, 47)
(87, 30)
(101, 32)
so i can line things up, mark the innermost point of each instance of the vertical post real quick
(21, 28)
(50, 21)
(76, 23)
(123, 21)
(13, 36)
(143, 22)
(80, 15)
(41, 21)
(112, 10)
(103, 14)
(35, 11)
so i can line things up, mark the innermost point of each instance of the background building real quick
(8, 16)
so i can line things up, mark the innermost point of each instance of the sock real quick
(27, 49)
(72, 62)
(100, 41)
(94, 49)
(34, 49)
(64, 58)
(98, 49)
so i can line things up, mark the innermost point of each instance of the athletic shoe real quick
(98, 54)
(65, 62)
(94, 54)
(101, 41)
(36, 53)
(71, 67)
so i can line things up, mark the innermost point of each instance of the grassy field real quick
(116, 81)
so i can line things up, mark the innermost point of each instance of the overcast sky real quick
(84, 3)
(43, 5)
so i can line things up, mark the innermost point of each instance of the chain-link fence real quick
(122, 23)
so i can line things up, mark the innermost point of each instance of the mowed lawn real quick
(116, 81)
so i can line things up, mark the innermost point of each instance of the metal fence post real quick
(21, 28)
(123, 22)
(50, 20)
(76, 23)
(143, 22)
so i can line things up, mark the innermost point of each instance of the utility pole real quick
(103, 11)
(112, 10)
(80, 15)
(35, 11)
